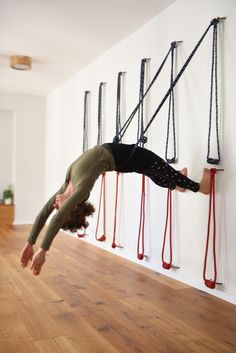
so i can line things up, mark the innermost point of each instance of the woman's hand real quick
(26, 255)
(38, 261)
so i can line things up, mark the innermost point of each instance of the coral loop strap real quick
(211, 283)
(102, 193)
(140, 252)
(168, 265)
(114, 245)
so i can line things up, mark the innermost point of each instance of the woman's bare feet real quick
(183, 171)
(205, 183)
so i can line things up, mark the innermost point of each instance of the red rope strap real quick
(168, 265)
(211, 283)
(116, 206)
(140, 255)
(102, 193)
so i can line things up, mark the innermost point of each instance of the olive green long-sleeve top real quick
(82, 173)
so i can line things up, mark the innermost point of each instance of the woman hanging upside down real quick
(71, 200)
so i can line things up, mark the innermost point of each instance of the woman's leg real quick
(161, 173)
(130, 158)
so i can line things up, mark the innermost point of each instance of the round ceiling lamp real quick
(21, 62)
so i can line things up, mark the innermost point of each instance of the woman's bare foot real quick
(183, 171)
(205, 183)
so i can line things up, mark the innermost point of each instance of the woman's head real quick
(77, 217)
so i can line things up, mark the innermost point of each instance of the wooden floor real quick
(89, 301)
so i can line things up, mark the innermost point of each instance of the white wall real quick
(28, 152)
(7, 126)
(185, 20)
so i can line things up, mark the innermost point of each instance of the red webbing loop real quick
(81, 235)
(102, 193)
(211, 283)
(116, 206)
(167, 265)
(140, 255)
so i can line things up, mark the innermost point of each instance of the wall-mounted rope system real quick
(143, 140)
(122, 131)
(118, 126)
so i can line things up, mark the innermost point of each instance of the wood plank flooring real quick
(90, 301)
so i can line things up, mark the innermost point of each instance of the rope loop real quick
(167, 265)
(140, 253)
(171, 111)
(214, 88)
(211, 283)
(102, 193)
(85, 122)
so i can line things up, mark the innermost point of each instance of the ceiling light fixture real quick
(21, 62)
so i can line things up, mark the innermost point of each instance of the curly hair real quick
(77, 217)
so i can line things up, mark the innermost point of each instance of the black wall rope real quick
(171, 111)
(211, 160)
(100, 112)
(85, 123)
(140, 135)
(118, 102)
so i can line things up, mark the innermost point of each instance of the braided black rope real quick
(85, 122)
(140, 135)
(122, 131)
(214, 21)
(171, 110)
(211, 160)
(100, 96)
(118, 103)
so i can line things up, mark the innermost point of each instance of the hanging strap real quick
(85, 123)
(214, 87)
(171, 110)
(100, 111)
(168, 265)
(140, 248)
(102, 193)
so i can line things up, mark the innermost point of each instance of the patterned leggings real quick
(130, 158)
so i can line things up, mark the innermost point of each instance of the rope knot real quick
(173, 45)
(116, 139)
(213, 161)
(143, 139)
(171, 160)
(215, 21)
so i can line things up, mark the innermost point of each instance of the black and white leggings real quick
(131, 158)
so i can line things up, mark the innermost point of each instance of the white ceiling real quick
(63, 36)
